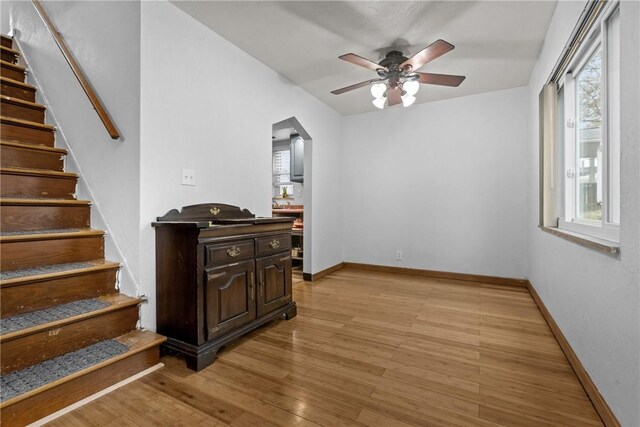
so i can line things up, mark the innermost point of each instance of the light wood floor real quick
(371, 349)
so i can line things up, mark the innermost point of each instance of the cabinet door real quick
(274, 282)
(297, 159)
(229, 299)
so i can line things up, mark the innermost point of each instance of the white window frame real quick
(276, 182)
(595, 228)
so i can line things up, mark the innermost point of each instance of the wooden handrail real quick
(77, 71)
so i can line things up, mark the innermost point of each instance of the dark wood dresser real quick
(220, 273)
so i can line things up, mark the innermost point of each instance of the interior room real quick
(367, 213)
(288, 184)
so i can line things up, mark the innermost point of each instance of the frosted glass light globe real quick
(411, 87)
(407, 100)
(379, 102)
(378, 90)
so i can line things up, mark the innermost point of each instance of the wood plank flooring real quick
(370, 349)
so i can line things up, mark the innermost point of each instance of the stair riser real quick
(40, 405)
(12, 73)
(27, 186)
(9, 57)
(28, 218)
(27, 297)
(18, 92)
(26, 254)
(23, 112)
(6, 42)
(12, 132)
(17, 157)
(31, 349)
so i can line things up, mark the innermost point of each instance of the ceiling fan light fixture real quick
(398, 78)
(378, 89)
(411, 87)
(408, 99)
(379, 102)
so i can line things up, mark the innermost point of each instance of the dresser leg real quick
(198, 363)
(291, 312)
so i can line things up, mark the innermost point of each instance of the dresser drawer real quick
(273, 244)
(229, 252)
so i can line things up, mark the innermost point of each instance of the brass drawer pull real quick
(275, 244)
(233, 251)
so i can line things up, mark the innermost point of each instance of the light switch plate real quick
(188, 177)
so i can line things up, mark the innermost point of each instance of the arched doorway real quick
(291, 187)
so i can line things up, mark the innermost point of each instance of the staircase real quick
(66, 331)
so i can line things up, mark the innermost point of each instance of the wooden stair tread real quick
(62, 151)
(51, 236)
(97, 265)
(12, 82)
(22, 102)
(12, 65)
(9, 50)
(137, 341)
(115, 301)
(38, 172)
(27, 123)
(43, 202)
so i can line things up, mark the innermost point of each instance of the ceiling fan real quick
(397, 81)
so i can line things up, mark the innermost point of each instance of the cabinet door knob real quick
(275, 244)
(233, 251)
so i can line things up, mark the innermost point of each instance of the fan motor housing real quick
(393, 60)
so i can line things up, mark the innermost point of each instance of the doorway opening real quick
(291, 188)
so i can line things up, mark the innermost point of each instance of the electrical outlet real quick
(188, 177)
(398, 255)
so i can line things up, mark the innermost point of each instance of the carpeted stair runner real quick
(20, 382)
(46, 269)
(51, 314)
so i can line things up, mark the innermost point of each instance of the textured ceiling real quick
(497, 42)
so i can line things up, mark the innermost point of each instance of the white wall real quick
(444, 182)
(594, 297)
(104, 37)
(5, 17)
(209, 106)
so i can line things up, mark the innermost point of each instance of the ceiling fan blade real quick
(363, 62)
(428, 54)
(355, 86)
(394, 96)
(440, 79)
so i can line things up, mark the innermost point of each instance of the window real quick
(281, 173)
(589, 117)
(281, 162)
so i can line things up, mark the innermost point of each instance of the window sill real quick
(602, 245)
